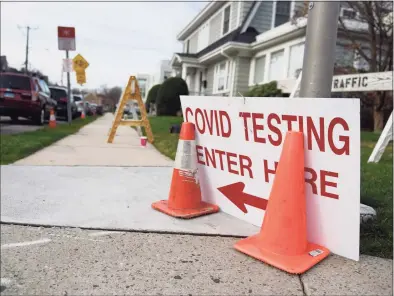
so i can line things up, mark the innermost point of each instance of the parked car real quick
(94, 107)
(88, 109)
(79, 102)
(99, 110)
(23, 95)
(60, 94)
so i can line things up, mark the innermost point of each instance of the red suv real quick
(26, 96)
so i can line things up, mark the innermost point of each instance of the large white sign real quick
(239, 140)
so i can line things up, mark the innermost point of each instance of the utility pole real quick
(28, 28)
(27, 49)
(319, 54)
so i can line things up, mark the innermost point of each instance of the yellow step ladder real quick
(131, 92)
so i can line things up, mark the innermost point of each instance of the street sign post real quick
(66, 41)
(321, 37)
(238, 145)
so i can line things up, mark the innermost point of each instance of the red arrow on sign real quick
(235, 193)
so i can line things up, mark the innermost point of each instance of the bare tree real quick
(376, 52)
(75, 91)
(111, 95)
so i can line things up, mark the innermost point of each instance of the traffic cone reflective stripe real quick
(184, 199)
(52, 119)
(282, 241)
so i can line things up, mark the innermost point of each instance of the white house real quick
(164, 72)
(231, 46)
(145, 82)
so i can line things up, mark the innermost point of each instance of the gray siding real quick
(241, 75)
(234, 15)
(263, 17)
(193, 44)
(214, 28)
(246, 5)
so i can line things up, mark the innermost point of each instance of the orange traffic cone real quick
(185, 194)
(282, 241)
(52, 119)
(82, 115)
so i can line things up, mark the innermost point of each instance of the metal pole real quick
(319, 54)
(68, 94)
(83, 102)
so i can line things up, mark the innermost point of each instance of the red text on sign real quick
(236, 164)
(266, 128)
(213, 122)
(322, 179)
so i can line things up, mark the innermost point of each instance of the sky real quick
(118, 39)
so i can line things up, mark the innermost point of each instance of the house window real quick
(226, 20)
(221, 77)
(259, 70)
(282, 12)
(277, 65)
(348, 13)
(295, 60)
(142, 86)
(344, 55)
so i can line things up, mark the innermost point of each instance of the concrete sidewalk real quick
(89, 147)
(55, 261)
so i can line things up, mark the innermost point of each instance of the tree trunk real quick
(378, 120)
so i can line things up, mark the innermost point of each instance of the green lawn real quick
(18, 146)
(376, 185)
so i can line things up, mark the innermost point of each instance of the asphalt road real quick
(7, 127)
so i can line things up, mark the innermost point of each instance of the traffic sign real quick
(79, 63)
(66, 38)
(81, 77)
(238, 145)
(67, 65)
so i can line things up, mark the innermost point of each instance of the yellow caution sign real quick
(79, 63)
(131, 92)
(81, 77)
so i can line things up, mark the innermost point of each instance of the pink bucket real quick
(143, 141)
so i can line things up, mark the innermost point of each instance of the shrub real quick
(168, 101)
(152, 96)
(265, 90)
